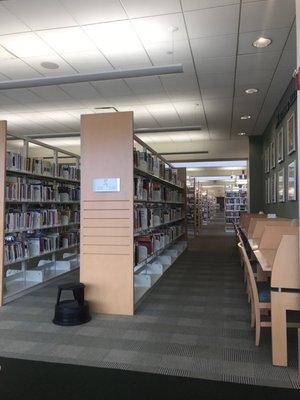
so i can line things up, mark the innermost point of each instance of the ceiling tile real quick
(215, 46)
(88, 62)
(41, 14)
(68, 40)
(215, 65)
(189, 5)
(9, 23)
(25, 45)
(94, 11)
(17, 69)
(83, 92)
(22, 96)
(252, 78)
(144, 85)
(160, 28)
(187, 84)
(215, 80)
(217, 93)
(267, 15)
(213, 21)
(136, 8)
(51, 93)
(257, 61)
(115, 87)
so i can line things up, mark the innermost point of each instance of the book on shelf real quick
(145, 246)
(150, 217)
(39, 218)
(19, 246)
(39, 166)
(147, 190)
(151, 163)
(28, 189)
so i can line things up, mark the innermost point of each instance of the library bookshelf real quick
(40, 213)
(133, 214)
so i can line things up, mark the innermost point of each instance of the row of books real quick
(19, 247)
(149, 190)
(37, 219)
(236, 207)
(67, 171)
(150, 217)
(147, 245)
(236, 200)
(40, 166)
(25, 189)
(152, 164)
(241, 193)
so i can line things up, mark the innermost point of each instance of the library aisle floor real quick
(195, 323)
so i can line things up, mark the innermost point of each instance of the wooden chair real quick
(260, 296)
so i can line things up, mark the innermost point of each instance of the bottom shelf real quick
(146, 279)
(19, 283)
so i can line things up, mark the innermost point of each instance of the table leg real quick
(279, 330)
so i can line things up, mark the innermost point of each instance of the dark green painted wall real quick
(255, 173)
(257, 146)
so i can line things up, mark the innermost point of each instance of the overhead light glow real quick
(242, 133)
(245, 116)
(262, 42)
(251, 91)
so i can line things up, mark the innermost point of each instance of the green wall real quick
(255, 173)
(257, 147)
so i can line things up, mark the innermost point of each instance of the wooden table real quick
(281, 300)
(254, 244)
(265, 257)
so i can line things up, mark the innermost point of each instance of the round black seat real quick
(71, 312)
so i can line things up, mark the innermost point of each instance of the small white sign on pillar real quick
(106, 185)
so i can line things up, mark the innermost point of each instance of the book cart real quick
(133, 219)
(40, 213)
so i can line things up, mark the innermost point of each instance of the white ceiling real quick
(213, 41)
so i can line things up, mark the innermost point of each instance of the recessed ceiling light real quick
(251, 91)
(245, 116)
(242, 133)
(262, 42)
(49, 65)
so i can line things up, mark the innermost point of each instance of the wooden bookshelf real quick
(39, 183)
(117, 269)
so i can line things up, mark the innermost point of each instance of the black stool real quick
(71, 312)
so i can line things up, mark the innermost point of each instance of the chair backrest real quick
(260, 226)
(253, 222)
(272, 235)
(286, 266)
(250, 276)
(246, 218)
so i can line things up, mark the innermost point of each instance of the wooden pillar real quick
(3, 132)
(106, 249)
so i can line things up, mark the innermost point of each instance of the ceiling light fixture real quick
(245, 116)
(262, 42)
(251, 91)
(242, 133)
(49, 65)
(91, 77)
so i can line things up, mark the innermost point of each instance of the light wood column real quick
(106, 249)
(3, 132)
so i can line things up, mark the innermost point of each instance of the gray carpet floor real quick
(194, 323)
